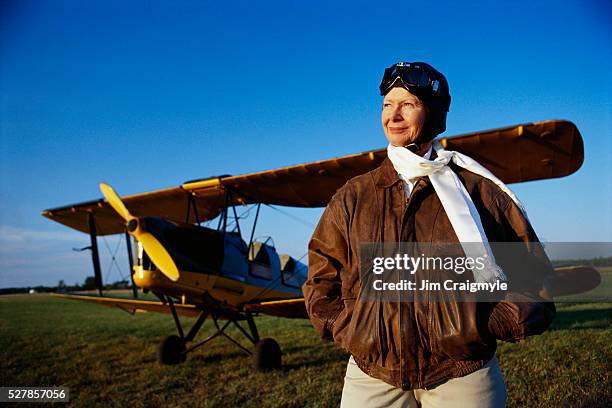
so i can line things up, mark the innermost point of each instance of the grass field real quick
(107, 358)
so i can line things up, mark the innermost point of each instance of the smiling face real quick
(403, 117)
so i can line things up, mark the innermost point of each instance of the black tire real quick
(171, 350)
(267, 355)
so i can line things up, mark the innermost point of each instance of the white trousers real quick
(483, 388)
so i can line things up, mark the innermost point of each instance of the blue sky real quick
(146, 95)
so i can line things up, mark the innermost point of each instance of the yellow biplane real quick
(215, 274)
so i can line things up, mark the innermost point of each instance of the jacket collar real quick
(385, 175)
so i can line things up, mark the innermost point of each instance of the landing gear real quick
(171, 350)
(267, 355)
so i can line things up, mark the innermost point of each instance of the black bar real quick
(222, 332)
(195, 209)
(188, 209)
(95, 257)
(247, 335)
(128, 241)
(227, 200)
(253, 230)
(224, 220)
(196, 327)
(175, 317)
(237, 223)
(220, 221)
(253, 327)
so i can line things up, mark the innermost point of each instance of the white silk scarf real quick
(456, 201)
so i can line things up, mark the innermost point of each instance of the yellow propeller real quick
(156, 251)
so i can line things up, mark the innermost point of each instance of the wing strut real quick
(191, 202)
(253, 230)
(95, 257)
(128, 241)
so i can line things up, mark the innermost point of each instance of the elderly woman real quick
(417, 352)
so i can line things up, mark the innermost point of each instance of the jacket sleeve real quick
(527, 308)
(327, 257)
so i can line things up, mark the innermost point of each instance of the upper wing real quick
(132, 305)
(514, 154)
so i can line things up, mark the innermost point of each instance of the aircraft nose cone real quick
(132, 225)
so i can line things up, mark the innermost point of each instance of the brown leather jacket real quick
(416, 344)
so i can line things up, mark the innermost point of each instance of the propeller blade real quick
(158, 254)
(113, 199)
(156, 251)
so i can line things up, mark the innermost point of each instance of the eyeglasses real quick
(412, 75)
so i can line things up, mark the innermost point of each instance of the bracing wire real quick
(295, 218)
(113, 254)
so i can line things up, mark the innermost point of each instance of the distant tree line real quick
(90, 281)
(88, 284)
(600, 261)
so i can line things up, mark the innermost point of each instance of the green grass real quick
(107, 358)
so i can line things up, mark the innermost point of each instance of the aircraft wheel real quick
(267, 355)
(171, 350)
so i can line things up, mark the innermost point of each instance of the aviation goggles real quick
(413, 76)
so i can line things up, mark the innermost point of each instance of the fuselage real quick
(218, 265)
